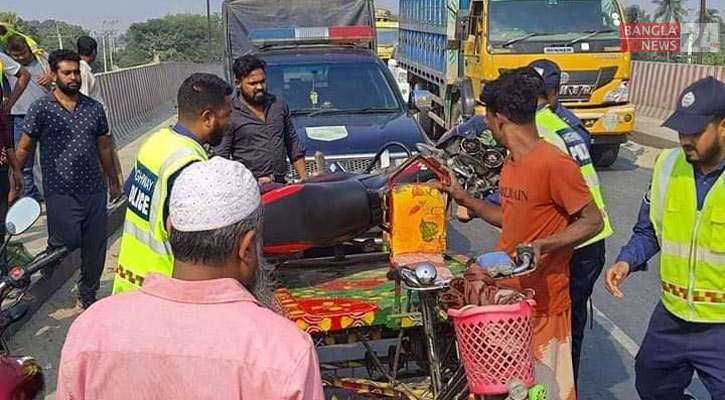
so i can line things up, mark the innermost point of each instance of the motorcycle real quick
(331, 210)
(474, 157)
(20, 376)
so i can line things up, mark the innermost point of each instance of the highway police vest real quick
(144, 244)
(692, 242)
(556, 131)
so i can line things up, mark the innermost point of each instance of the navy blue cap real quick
(697, 105)
(549, 71)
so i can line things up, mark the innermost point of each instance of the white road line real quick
(617, 334)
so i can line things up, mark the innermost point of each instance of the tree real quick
(636, 15)
(712, 16)
(180, 37)
(46, 32)
(670, 11)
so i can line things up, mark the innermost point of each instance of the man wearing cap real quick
(683, 218)
(204, 332)
(205, 107)
(551, 74)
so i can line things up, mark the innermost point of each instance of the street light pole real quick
(703, 11)
(208, 23)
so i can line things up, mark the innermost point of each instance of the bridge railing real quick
(655, 85)
(135, 96)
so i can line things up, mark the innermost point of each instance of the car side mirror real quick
(422, 100)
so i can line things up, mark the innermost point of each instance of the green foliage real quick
(670, 11)
(46, 32)
(180, 37)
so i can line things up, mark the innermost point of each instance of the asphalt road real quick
(618, 328)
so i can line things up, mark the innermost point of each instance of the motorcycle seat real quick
(314, 214)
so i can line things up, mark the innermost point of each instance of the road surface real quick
(608, 357)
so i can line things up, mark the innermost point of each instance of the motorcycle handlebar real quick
(46, 260)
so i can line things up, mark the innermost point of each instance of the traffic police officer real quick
(683, 217)
(551, 73)
(204, 102)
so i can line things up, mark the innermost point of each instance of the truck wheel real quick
(604, 155)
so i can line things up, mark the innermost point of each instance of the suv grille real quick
(354, 165)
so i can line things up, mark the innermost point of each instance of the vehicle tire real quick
(604, 155)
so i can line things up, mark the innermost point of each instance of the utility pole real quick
(57, 32)
(703, 13)
(105, 64)
(208, 23)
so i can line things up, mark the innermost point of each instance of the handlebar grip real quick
(46, 260)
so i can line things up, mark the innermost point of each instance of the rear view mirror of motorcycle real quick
(22, 215)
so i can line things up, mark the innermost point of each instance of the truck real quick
(345, 103)
(451, 48)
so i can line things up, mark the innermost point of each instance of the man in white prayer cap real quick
(201, 333)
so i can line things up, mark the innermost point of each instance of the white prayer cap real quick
(212, 194)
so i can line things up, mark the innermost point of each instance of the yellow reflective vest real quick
(556, 131)
(692, 242)
(144, 243)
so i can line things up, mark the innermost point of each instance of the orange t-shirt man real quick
(540, 194)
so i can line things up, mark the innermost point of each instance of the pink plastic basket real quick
(495, 343)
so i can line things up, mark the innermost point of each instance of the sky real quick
(91, 13)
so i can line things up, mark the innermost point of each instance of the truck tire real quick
(604, 155)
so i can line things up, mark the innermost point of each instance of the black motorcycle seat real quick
(314, 214)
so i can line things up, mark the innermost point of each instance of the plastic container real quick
(496, 346)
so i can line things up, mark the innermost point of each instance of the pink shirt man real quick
(177, 339)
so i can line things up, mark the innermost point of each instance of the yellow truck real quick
(451, 48)
(387, 32)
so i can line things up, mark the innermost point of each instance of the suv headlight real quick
(618, 95)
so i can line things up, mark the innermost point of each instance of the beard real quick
(257, 99)
(70, 89)
(216, 135)
(263, 282)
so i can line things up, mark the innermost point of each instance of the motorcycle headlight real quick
(618, 95)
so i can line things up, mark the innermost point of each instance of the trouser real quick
(552, 355)
(585, 267)
(29, 188)
(672, 350)
(79, 221)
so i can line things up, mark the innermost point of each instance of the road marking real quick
(616, 333)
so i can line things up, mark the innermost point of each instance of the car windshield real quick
(334, 86)
(387, 36)
(512, 19)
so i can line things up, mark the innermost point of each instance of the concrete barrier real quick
(655, 85)
(137, 95)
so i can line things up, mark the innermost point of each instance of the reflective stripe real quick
(682, 250)
(663, 182)
(162, 248)
(156, 197)
(591, 180)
